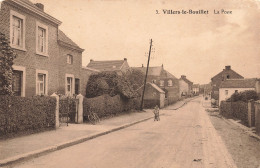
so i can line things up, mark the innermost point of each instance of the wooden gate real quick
(68, 110)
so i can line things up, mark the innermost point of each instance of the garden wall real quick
(21, 115)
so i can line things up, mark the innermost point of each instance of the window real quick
(169, 82)
(227, 76)
(153, 81)
(69, 59)
(161, 83)
(18, 85)
(69, 84)
(41, 82)
(41, 39)
(17, 30)
(226, 92)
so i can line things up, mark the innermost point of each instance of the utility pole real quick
(142, 101)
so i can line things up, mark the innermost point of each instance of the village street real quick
(183, 138)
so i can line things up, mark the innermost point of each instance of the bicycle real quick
(93, 118)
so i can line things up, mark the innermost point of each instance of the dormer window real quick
(69, 59)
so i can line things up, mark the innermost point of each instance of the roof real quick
(153, 71)
(226, 71)
(106, 65)
(187, 81)
(239, 83)
(63, 38)
(156, 87)
(33, 8)
(196, 86)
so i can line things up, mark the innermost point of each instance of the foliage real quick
(7, 56)
(107, 106)
(135, 77)
(19, 115)
(244, 96)
(110, 83)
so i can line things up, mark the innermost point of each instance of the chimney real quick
(228, 67)
(183, 76)
(125, 59)
(91, 60)
(162, 65)
(40, 6)
(142, 65)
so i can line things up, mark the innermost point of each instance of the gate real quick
(68, 110)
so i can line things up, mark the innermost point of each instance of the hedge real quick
(238, 110)
(244, 96)
(106, 106)
(21, 115)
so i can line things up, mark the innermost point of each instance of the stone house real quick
(164, 80)
(195, 89)
(153, 95)
(231, 86)
(185, 86)
(48, 61)
(227, 73)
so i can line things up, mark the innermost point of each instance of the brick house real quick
(48, 61)
(164, 80)
(227, 73)
(230, 86)
(185, 86)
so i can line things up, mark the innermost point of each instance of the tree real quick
(135, 77)
(7, 55)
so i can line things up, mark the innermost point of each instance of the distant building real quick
(109, 65)
(227, 73)
(196, 89)
(164, 80)
(230, 86)
(185, 86)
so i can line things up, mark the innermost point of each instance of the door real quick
(17, 83)
(77, 86)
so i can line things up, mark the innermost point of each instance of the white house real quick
(230, 86)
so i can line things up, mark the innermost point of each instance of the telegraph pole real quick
(142, 101)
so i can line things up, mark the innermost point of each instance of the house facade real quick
(227, 73)
(48, 61)
(196, 89)
(164, 80)
(231, 86)
(185, 86)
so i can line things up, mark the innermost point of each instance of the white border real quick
(47, 81)
(38, 24)
(21, 68)
(73, 84)
(16, 14)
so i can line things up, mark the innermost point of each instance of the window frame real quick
(44, 27)
(71, 60)
(161, 83)
(226, 92)
(23, 18)
(170, 83)
(44, 72)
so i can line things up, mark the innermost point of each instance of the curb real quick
(60, 146)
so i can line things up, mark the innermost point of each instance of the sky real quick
(196, 45)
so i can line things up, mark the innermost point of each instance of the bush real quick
(112, 83)
(20, 115)
(244, 96)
